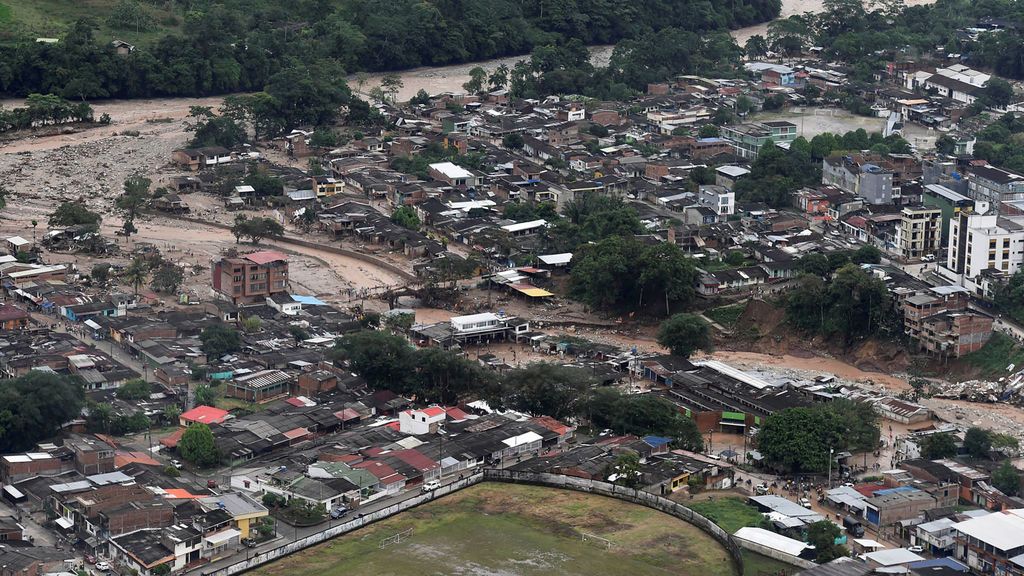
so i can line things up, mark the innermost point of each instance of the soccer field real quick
(506, 530)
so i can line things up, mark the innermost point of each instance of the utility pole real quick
(830, 452)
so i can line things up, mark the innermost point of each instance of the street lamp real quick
(830, 452)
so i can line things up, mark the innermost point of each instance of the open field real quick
(730, 512)
(53, 18)
(505, 530)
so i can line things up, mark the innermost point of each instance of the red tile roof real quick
(415, 459)
(265, 257)
(382, 471)
(172, 440)
(9, 312)
(553, 425)
(124, 458)
(296, 433)
(456, 414)
(205, 415)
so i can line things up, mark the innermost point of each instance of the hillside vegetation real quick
(199, 47)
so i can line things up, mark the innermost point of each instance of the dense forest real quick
(224, 46)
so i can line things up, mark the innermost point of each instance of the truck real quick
(853, 526)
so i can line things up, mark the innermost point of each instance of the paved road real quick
(81, 333)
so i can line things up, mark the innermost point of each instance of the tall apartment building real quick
(979, 242)
(995, 186)
(748, 139)
(919, 232)
(251, 277)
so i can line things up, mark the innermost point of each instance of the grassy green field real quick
(730, 512)
(52, 18)
(505, 530)
(726, 315)
(755, 564)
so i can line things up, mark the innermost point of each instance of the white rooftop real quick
(474, 318)
(450, 170)
(520, 226)
(556, 259)
(1004, 531)
(893, 557)
(771, 540)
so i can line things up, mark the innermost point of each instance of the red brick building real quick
(252, 277)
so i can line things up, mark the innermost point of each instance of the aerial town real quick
(540, 288)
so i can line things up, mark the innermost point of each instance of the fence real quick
(493, 475)
(628, 494)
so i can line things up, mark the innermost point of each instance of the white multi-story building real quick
(718, 198)
(984, 246)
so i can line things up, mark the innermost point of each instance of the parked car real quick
(339, 512)
(805, 502)
(103, 566)
(432, 485)
(90, 559)
(916, 549)
(176, 464)
(761, 489)
(248, 542)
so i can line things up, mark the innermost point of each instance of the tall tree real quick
(136, 194)
(197, 446)
(135, 274)
(684, 334)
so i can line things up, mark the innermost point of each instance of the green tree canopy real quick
(822, 535)
(978, 442)
(936, 446)
(75, 214)
(34, 406)
(547, 389)
(219, 339)
(405, 216)
(642, 415)
(684, 334)
(1007, 479)
(197, 446)
(799, 439)
(134, 389)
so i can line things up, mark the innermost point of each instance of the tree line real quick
(776, 173)
(43, 110)
(236, 46)
(433, 375)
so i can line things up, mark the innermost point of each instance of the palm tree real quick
(135, 274)
(34, 224)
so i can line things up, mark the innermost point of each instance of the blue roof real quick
(895, 490)
(713, 139)
(308, 300)
(656, 440)
(936, 562)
